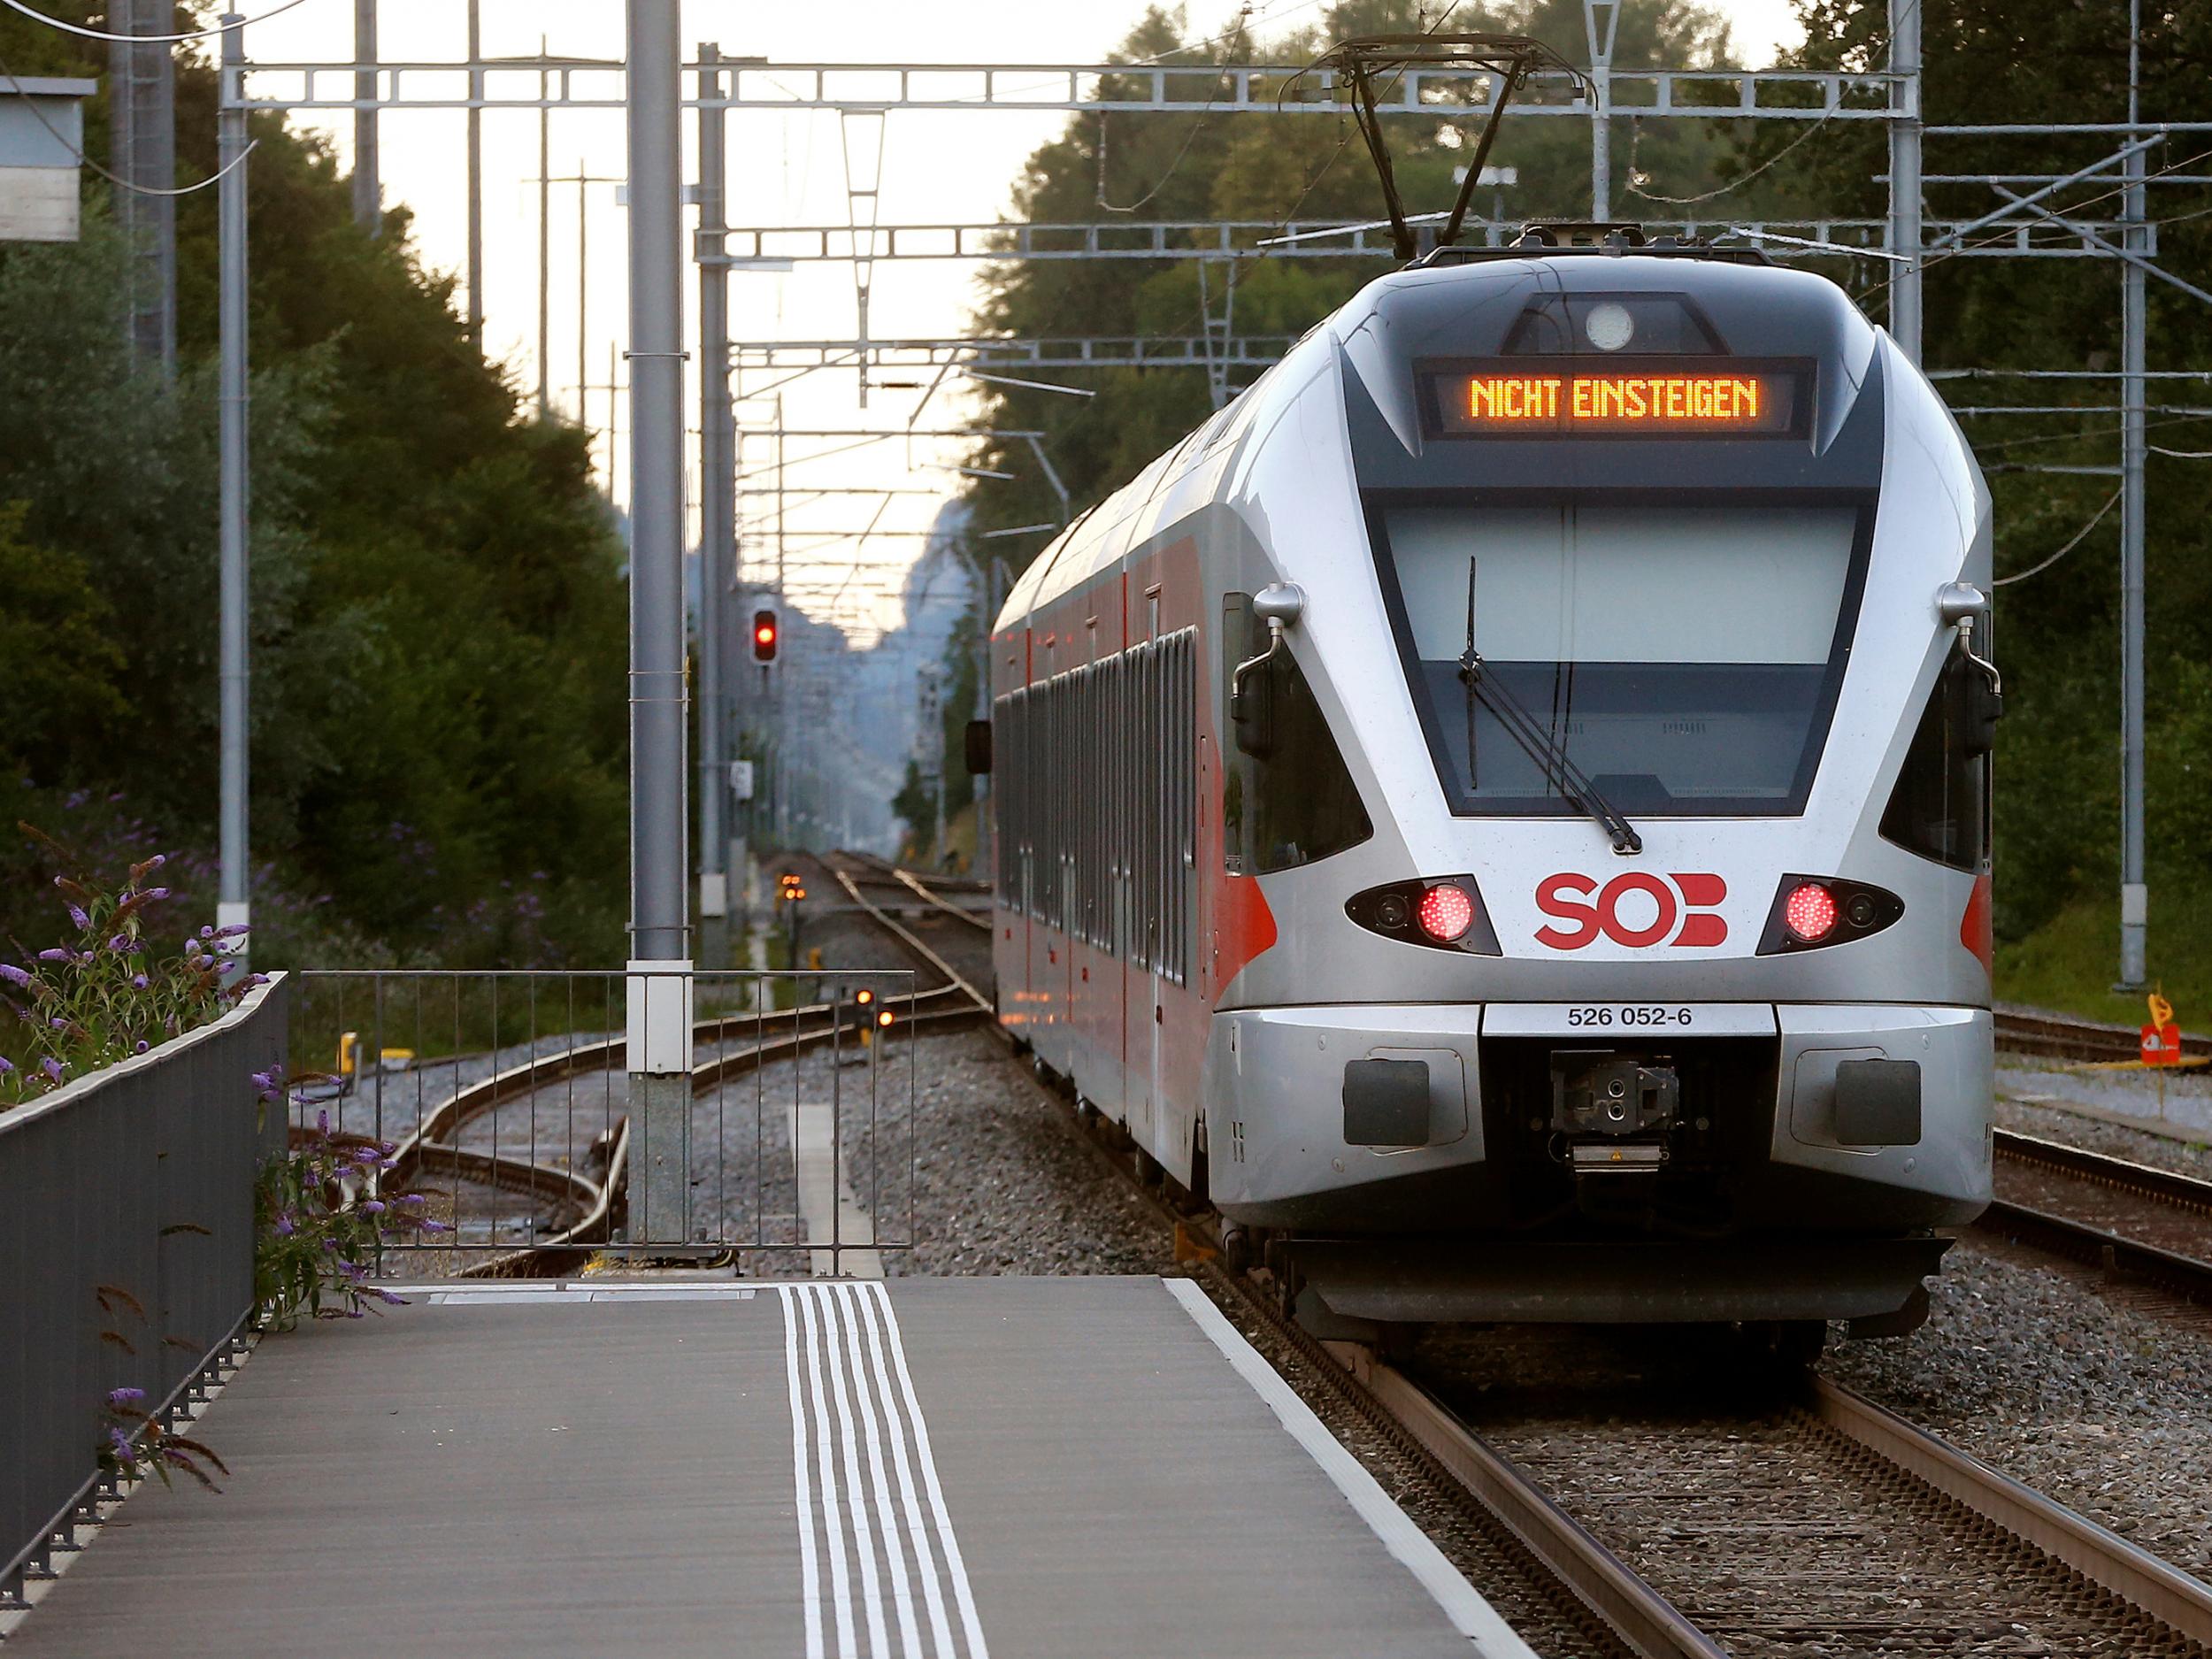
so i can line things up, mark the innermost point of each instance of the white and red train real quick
(1502, 809)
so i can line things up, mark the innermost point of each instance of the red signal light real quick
(1446, 912)
(765, 633)
(1809, 912)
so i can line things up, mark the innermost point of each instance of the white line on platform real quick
(1470, 1615)
(844, 1360)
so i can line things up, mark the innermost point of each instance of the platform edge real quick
(1462, 1604)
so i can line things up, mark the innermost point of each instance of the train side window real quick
(1940, 808)
(1288, 798)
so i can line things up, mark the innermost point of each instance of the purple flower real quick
(232, 932)
(120, 943)
(126, 1397)
(436, 1226)
(78, 920)
(156, 892)
(58, 1022)
(389, 1299)
(126, 1454)
(207, 932)
(57, 954)
(15, 975)
(6, 1065)
(138, 982)
(372, 1207)
(284, 1225)
(366, 1154)
(264, 1081)
(51, 1067)
(141, 1047)
(322, 1122)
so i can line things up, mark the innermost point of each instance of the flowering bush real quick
(103, 994)
(134, 1443)
(319, 1217)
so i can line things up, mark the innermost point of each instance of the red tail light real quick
(1809, 912)
(1446, 912)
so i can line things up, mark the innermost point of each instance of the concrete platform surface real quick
(934, 1467)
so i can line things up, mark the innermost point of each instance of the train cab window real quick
(1686, 658)
(1940, 808)
(1288, 798)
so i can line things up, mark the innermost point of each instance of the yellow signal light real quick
(864, 996)
(883, 1017)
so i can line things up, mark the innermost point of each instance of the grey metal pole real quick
(368, 190)
(2134, 891)
(1601, 19)
(659, 1027)
(718, 481)
(476, 176)
(545, 244)
(233, 895)
(583, 295)
(1904, 176)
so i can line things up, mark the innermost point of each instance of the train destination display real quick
(1513, 399)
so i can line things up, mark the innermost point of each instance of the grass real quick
(2069, 964)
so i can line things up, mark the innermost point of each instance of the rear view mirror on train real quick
(978, 747)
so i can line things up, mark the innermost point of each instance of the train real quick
(1501, 811)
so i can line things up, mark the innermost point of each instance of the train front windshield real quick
(1685, 659)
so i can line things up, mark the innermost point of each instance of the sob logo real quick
(1634, 909)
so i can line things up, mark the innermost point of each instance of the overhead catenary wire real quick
(1635, 143)
(2079, 536)
(14, 84)
(79, 29)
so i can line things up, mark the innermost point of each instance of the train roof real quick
(1467, 303)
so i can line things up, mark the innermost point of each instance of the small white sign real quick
(1636, 1021)
(741, 780)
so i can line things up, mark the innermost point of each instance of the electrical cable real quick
(84, 160)
(152, 39)
(1635, 143)
(2079, 536)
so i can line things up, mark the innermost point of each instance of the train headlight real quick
(1436, 912)
(1609, 326)
(1446, 913)
(1811, 913)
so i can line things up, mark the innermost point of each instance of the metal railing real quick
(127, 1256)
(507, 1099)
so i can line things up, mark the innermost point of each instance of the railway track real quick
(2061, 1037)
(1959, 1551)
(2135, 1221)
(587, 1211)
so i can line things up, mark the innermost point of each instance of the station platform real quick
(918, 1467)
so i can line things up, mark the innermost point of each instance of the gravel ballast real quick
(2031, 1367)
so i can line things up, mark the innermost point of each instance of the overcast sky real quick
(785, 169)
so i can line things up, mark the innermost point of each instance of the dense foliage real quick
(438, 637)
(1988, 61)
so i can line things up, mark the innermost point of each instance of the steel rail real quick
(1651, 1625)
(908, 938)
(2142, 1181)
(2061, 1037)
(914, 884)
(2101, 1557)
(2184, 1275)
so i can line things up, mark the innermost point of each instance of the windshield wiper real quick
(1547, 752)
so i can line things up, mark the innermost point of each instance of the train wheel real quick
(1236, 1248)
